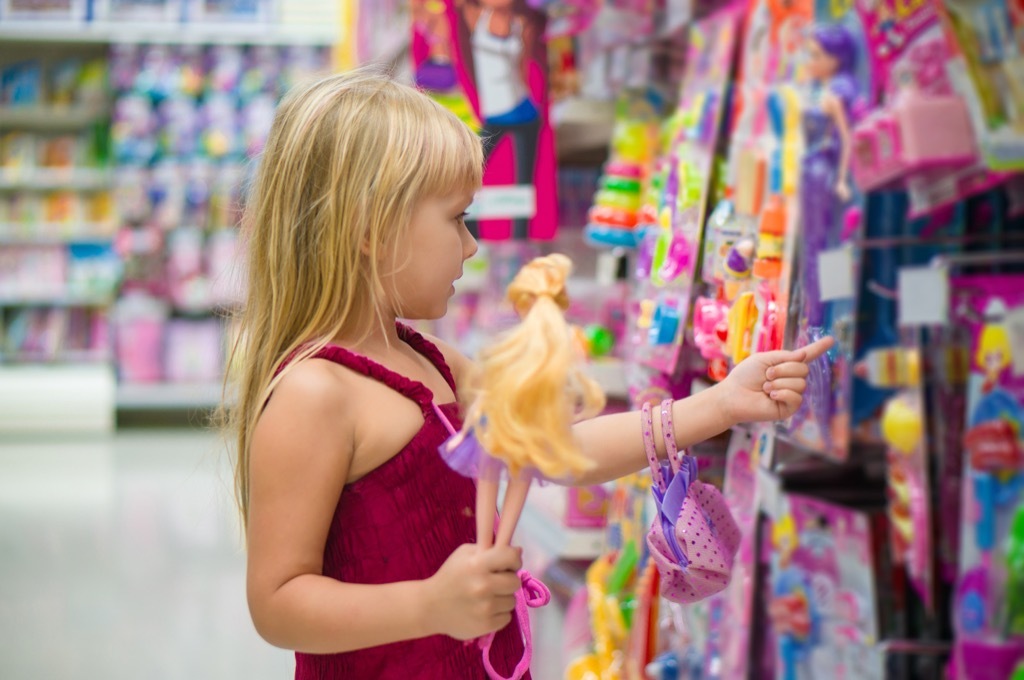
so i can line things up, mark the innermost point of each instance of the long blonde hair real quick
(348, 158)
(530, 387)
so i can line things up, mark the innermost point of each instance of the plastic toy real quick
(986, 610)
(518, 424)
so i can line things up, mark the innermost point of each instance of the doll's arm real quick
(834, 108)
(470, 11)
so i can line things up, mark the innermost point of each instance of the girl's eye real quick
(462, 217)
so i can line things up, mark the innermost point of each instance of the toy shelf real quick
(51, 117)
(550, 535)
(43, 179)
(166, 33)
(168, 396)
(57, 398)
(55, 234)
(55, 301)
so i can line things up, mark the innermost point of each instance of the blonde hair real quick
(994, 338)
(530, 387)
(348, 158)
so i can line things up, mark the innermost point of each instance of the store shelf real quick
(52, 234)
(169, 396)
(49, 180)
(55, 301)
(610, 374)
(64, 357)
(167, 33)
(50, 117)
(47, 399)
(540, 525)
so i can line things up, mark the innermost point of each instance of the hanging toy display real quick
(987, 616)
(613, 219)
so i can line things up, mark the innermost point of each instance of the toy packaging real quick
(822, 592)
(487, 64)
(991, 36)
(672, 216)
(989, 603)
(829, 213)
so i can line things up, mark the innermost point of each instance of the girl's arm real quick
(302, 450)
(767, 386)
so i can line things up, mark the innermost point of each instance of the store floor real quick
(121, 559)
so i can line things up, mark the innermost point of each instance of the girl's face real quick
(419, 283)
(820, 64)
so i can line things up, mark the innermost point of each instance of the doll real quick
(824, 180)
(529, 391)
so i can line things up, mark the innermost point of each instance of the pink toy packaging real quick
(988, 614)
(485, 60)
(924, 133)
(822, 604)
(921, 124)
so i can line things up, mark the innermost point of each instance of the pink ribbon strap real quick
(533, 594)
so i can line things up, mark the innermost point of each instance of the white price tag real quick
(1015, 329)
(923, 296)
(501, 202)
(835, 274)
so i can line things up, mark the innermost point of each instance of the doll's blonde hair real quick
(994, 338)
(348, 158)
(530, 387)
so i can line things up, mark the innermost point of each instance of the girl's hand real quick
(473, 593)
(769, 385)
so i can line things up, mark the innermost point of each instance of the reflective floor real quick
(120, 558)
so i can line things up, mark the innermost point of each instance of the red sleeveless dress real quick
(400, 523)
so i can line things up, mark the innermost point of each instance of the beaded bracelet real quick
(647, 429)
(669, 434)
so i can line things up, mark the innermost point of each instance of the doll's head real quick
(784, 537)
(832, 61)
(832, 51)
(994, 353)
(531, 387)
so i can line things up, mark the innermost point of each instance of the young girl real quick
(360, 537)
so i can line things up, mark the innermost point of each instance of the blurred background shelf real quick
(48, 180)
(168, 396)
(168, 33)
(51, 117)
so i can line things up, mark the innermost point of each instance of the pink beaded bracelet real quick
(647, 429)
(669, 434)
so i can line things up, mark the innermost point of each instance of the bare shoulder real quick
(462, 367)
(309, 412)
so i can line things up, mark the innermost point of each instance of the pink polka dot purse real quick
(693, 539)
